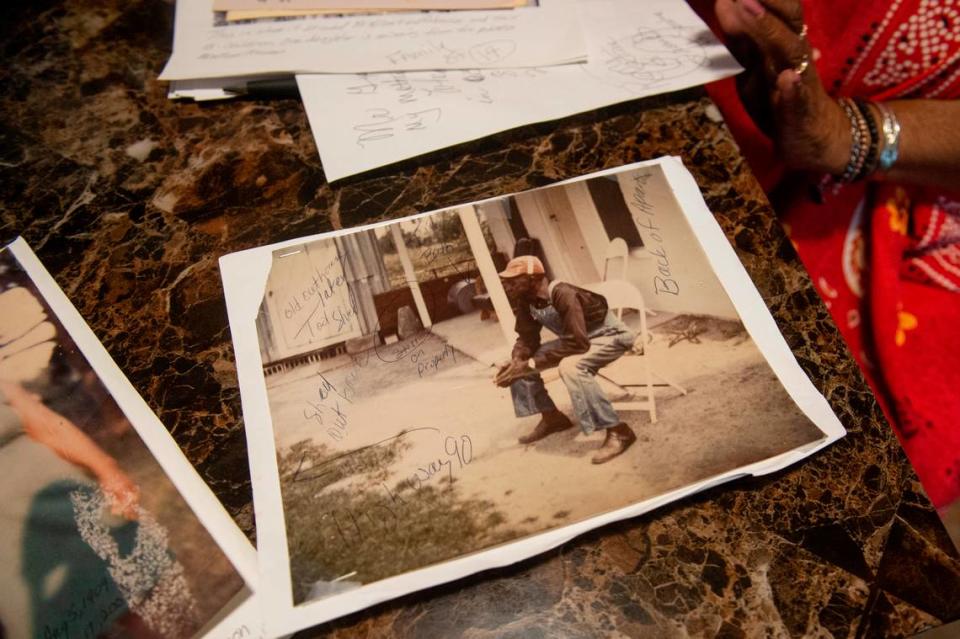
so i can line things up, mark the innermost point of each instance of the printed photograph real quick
(447, 383)
(94, 539)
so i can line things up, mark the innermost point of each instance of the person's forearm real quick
(928, 147)
(75, 446)
(58, 433)
(929, 143)
(521, 350)
(569, 345)
(528, 338)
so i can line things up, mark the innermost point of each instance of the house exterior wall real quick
(549, 216)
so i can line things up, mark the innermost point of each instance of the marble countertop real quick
(130, 199)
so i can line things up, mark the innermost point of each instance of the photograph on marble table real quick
(524, 367)
(95, 538)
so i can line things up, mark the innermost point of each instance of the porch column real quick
(410, 275)
(478, 246)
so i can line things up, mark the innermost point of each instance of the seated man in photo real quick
(589, 338)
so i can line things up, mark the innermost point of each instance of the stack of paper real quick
(361, 122)
(384, 87)
(206, 46)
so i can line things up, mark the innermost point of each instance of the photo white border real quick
(244, 276)
(181, 473)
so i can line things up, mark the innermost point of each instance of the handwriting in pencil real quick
(645, 216)
(383, 124)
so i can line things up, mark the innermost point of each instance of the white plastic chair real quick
(620, 295)
(616, 251)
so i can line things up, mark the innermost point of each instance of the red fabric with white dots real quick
(884, 258)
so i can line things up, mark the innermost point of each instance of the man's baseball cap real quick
(523, 265)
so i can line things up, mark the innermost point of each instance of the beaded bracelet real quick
(873, 156)
(858, 141)
(865, 142)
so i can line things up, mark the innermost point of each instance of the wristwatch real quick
(532, 363)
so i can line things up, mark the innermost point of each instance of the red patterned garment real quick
(884, 257)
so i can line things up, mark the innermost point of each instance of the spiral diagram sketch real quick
(651, 56)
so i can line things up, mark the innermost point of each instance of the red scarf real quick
(885, 258)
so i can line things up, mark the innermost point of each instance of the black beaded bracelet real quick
(858, 142)
(873, 151)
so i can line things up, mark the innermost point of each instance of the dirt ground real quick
(460, 429)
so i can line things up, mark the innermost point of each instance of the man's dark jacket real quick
(580, 310)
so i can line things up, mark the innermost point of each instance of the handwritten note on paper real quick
(635, 49)
(311, 300)
(209, 47)
(665, 281)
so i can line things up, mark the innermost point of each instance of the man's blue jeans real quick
(579, 373)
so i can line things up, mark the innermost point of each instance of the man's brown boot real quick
(619, 439)
(547, 426)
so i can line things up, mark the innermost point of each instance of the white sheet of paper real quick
(245, 617)
(635, 49)
(245, 275)
(530, 36)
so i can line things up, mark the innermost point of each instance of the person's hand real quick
(122, 494)
(501, 368)
(511, 371)
(786, 100)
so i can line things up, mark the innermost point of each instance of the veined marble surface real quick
(130, 199)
